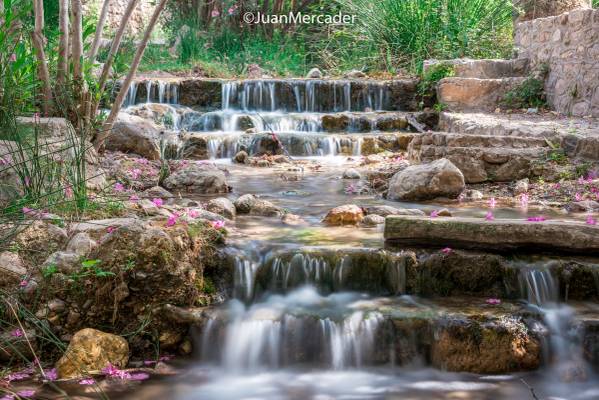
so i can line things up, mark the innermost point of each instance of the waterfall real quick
(539, 286)
(131, 95)
(148, 91)
(244, 276)
(301, 269)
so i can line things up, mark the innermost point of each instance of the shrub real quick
(530, 93)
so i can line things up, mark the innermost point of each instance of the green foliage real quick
(530, 93)
(49, 270)
(432, 76)
(595, 3)
(407, 32)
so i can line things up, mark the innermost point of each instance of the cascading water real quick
(542, 289)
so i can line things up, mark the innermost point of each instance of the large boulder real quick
(133, 134)
(222, 206)
(92, 350)
(200, 179)
(12, 269)
(427, 181)
(348, 214)
(250, 204)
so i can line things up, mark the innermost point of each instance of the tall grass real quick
(407, 32)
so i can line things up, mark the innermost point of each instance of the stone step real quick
(299, 95)
(297, 144)
(578, 137)
(422, 272)
(470, 94)
(460, 334)
(482, 158)
(483, 69)
(497, 235)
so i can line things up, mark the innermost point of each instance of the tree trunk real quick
(42, 68)
(93, 51)
(77, 50)
(118, 102)
(63, 45)
(116, 42)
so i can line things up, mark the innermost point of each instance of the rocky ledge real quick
(502, 235)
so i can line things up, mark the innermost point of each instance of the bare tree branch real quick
(39, 42)
(63, 46)
(93, 51)
(118, 102)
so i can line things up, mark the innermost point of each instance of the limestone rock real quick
(384, 211)
(427, 181)
(314, 73)
(521, 186)
(583, 206)
(373, 220)
(222, 206)
(241, 157)
(351, 173)
(38, 241)
(92, 350)
(132, 134)
(250, 204)
(348, 214)
(81, 244)
(355, 74)
(157, 192)
(200, 179)
(12, 269)
(65, 262)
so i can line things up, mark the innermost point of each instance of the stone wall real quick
(569, 45)
(116, 9)
(527, 10)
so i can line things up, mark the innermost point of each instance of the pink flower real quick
(13, 58)
(218, 224)
(18, 376)
(140, 376)
(215, 13)
(578, 197)
(524, 200)
(119, 187)
(493, 301)
(87, 381)
(23, 283)
(489, 216)
(134, 198)
(557, 186)
(536, 219)
(434, 214)
(157, 202)
(446, 250)
(68, 192)
(149, 362)
(591, 220)
(4, 161)
(26, 393)
(27, 210)
(112, 371)
(232, 9)
(27, 181)
(581, 181)
(17, 333)
(193, 213)
(51, 374)
(172, 220)
(135, 173)
(111, 229)
(492, 202)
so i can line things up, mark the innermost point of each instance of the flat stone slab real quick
(501, 234)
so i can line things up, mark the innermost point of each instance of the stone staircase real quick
(478, 85)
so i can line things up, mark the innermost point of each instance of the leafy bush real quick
(530, 93)
(411, 31)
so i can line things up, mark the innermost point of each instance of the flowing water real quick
(302, 323)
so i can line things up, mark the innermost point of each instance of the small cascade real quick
(564, 338)
(244, 276)
(131, 95)
(301, 269)
(304, 95)
(163, 92)
(301, 327)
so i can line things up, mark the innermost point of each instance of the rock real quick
(249, 204)
(81, 244)
(384, 211)
(92, 350)
(132, 134)
(373, 220)
(335, 122)
(499, 234)
(348, 214)
(38, 241)
(292, 219)
(263, 163)
(497, 346)
(472, 195)
(12, 269)
(355, 74)
(373, 159)
(200, 179)
(521, 186)
(351, 173)
(241, 157)
(254, 71)
(427, 181)
(583, 206)
(222, 206)
(444, 212)
(148, 207)
(16, 346)
(65, 262)
(157, 192)
(314, 73)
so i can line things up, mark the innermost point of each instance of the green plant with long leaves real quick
(407, 32)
